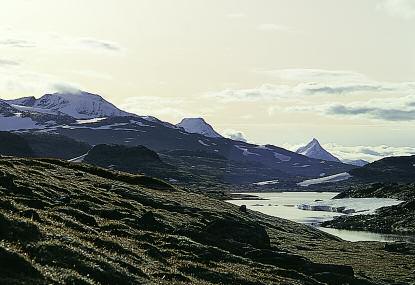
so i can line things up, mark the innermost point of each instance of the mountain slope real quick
(198, 126)
(390, 169)
(103, 123)
(68, 223)
(132, 131)
(79, 105)
(14, 145)
(314, 150)
(356, 162)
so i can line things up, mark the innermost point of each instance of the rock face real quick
(64, 223)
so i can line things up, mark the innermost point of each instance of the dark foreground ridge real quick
(77, 224)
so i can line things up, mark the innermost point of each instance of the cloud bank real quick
(234, 135)
(399, 8)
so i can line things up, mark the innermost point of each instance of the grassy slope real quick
(77, 224)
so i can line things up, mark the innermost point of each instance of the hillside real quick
(14, 145)
(77, 224)
(390, 169)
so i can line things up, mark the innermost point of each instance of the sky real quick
(272, 71)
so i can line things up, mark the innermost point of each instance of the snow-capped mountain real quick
(89, 118)
(198, 126)
(79, 105)
(314, 150)
(357, 162)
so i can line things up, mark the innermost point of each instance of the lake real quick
(284, 205)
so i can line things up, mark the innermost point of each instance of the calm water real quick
(284, 205)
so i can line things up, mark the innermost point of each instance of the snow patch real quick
(203, 143)
(281, 156)
(269, 182)
(245, 151)
(328, 179)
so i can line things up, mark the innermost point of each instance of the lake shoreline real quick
(284, 205)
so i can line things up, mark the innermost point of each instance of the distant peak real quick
(314, 150)
(198, 126)
(193, 119)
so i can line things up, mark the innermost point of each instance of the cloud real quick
(33, 83)
(160, 107)
(388, 109)
(368, 153)
(10, 38)
(8, 63)
(274, 28)
(265, 91)
(392, 109)
(234, 135)
(278, 91)
(305, 82)
(399, 8)
(236, 15)
(17, 43)
(315, 75)
(99, 44)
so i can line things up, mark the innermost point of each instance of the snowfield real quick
(198, 126)
(269, 182)
(328, 179)
(281, 157)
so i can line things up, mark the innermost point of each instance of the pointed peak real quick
(314, 150)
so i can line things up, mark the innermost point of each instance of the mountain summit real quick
(314, 150)
(79, 105)
(198, 126)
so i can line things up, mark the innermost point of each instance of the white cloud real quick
(236, 15)
(305, 82)
(398, 8)
(99, 44)
(234, 135)
(368, 153)
(277, 91)
(385, 109)
(8, 63)
(160, 107)
(33, 83)
(274, 28)
(315, 75)
(11, 38)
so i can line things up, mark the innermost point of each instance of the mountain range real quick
(90, 119)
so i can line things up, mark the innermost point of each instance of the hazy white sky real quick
(281, 72)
